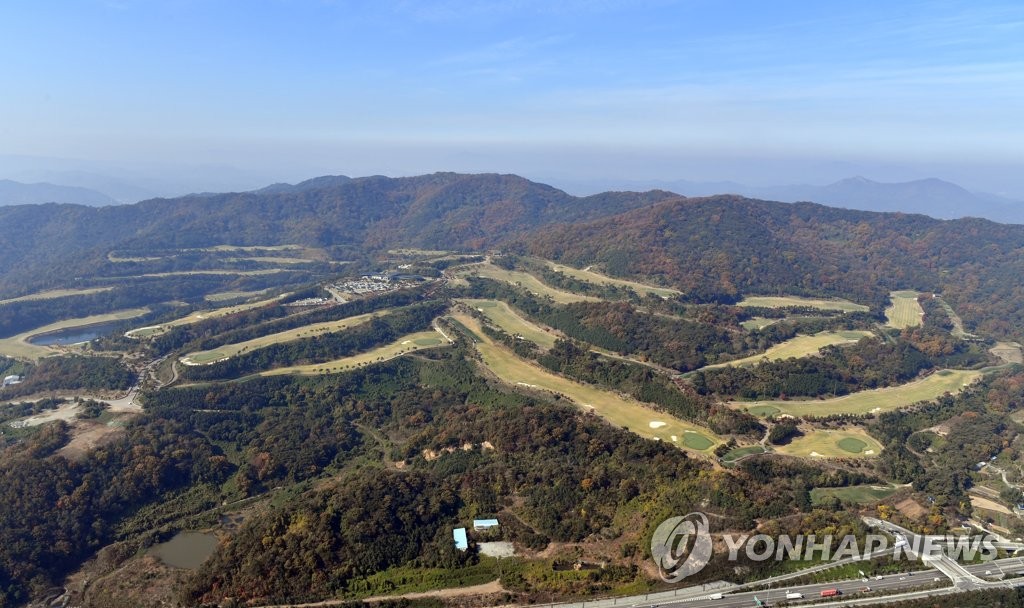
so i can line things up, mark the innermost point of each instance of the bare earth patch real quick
(911, 508)
(989, 505)
(86, 436)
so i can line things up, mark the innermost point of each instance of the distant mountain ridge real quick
(18, 193)
(707, 247)
(351, 216)
(932, 197)
(724, 246)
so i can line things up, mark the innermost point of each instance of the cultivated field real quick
(800, 346)
(979, 502)
(904, 311)
(404, 345)
(873, 401)
(504, 317)
(18, 346)
(306, 331)
(525, 280)
(152, 330)
(599, 279)
(617, 410)
(850, 442)
(861, 495)
(55, 293)
(787, 301)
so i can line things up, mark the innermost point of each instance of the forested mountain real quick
(443, 210)
(732, 245)
(705, 246)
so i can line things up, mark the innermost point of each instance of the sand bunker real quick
(657, 424)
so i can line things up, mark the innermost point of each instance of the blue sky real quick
(698, 89)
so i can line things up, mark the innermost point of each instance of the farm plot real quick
(588, 275)
(800, 346)
(905, 310)
(850, 442)
(19, 346)
(616, 409)
(504, 317)
(787, 301)
(306, 331)
(404, 345)
(525, 280)
(862, 495)
(872, 401)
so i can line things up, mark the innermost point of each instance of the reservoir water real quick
(186, 549)
(73, 335)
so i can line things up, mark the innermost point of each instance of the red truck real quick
(829, 592)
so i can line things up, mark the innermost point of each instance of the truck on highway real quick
(715, 596)
(829, 592)
(794, 595)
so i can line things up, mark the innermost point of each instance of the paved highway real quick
(947, 577)
(849, 589)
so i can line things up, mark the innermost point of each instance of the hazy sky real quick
(699, 89)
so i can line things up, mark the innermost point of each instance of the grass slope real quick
(504, 317)
(877, 400)
(851, 442)
(800, 346)
(526, 280)
(226, 351)
(861, 495)
(404, 345)
(597, 278)
(616, 409)
(786, 301)
(201, 315)
(905, 310)
(55, 293)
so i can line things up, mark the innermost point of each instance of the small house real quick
(484, 524)
(461, 540)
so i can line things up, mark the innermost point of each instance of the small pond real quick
(186, 549)
(73, 335)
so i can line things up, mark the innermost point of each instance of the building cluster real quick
(308, 302)
(371, 283)
(461, 537)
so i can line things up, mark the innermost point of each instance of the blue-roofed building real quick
(461, 541)
(484, 524)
